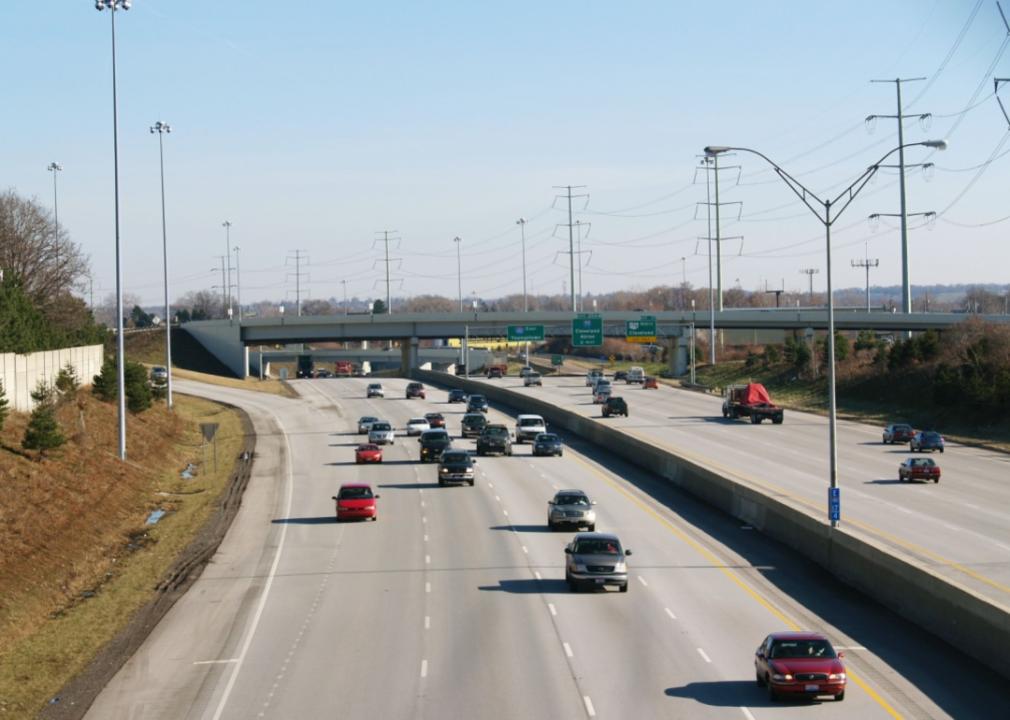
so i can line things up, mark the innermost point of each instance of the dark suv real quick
(494, 439)
(615, 406)
(926, 440)
(457, 395)
(456, 466)
(473, 424)
(433, 443)
(476, 403)
(415, 390)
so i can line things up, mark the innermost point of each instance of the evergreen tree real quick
(66, 380)
(138, 391)
(43, 432)
(104, 383)
(3, 406)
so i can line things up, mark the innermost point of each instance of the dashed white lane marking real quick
(556, 487)
(670, 613)
(537, 575)
(422, 503)
(550, 606)
(904, 510)
(427, 559)
(590, 710)
(954, 528)
(525, 550)
(427, 587)
(568, 650)
(497, 498)
(973, 506)
(704, 657)
(746, 713)
(424, 668)
(490, 485)
(427, 622)
(424, 519)
(426, 538)
(215, 662)
(506, 512)
(642, 580)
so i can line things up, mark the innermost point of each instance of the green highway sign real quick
(522, 333)
(587, 331)
(557, 359)
(642, 330)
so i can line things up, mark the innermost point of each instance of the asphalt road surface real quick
(453, 604)
(959, 527)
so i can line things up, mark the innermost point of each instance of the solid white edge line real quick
(550, 606)
(214, 662)
(642, 580)
(427, 622)
(270, 578)
(670, 613)
(568, 649)
(704, 657)
(590, 710)
(746, 713)
(427, 587)
(537, 575)
(424, 668)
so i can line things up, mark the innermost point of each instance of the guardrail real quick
(972, 623)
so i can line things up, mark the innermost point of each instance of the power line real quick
(866, 263)
(385, 239)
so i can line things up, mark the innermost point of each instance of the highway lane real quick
(453, 603)
(960, 527)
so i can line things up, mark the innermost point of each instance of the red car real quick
(356, 501)
(650, 383)
(799, 664)
(368, 453)
(435, 420)
(919, 469)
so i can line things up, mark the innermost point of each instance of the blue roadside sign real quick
(834, 504)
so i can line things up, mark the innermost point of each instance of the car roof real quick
(418, 420)
(797, 635)
(531, 415)
(367, 417)
(571, 492)
(432, 414)
(596, 536)
(355, 485)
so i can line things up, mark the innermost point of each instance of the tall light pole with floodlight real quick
(822, 210)
(238, 284)
(113, 6)
(55, 168)
(163, 128)
(459, 271)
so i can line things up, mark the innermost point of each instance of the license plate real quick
(600, 581)
(811, 688)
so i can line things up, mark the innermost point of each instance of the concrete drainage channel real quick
(965, 619)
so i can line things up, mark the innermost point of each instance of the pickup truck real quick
(750, 400)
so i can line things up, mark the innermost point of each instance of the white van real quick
(636, 375)
(528, 427)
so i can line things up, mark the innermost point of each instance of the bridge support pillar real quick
(408, 355)
(677, 352)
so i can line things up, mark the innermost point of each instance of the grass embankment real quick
(78, 559)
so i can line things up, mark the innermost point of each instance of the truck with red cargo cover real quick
(750, 400)
(343, 368)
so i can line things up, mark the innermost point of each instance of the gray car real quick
(365, 423)
(596, 560)
(381, 433)
(571, 507)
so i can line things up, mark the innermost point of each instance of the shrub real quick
(66, 380)
(43, 432)
(4, 409)
(104, 383)
(772, 355)
(752, 360)
(138, 391)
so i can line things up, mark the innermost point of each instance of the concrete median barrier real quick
(970, 622)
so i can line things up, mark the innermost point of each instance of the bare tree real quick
(318, 307)
(47, 265)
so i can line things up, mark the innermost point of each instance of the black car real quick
(615, 406)
(433, 444)
(547, 444)
(456, 466)
(476, 403)
(926, 440)
(621, 375)
(494, 439)
(457, 395)
(473, 424)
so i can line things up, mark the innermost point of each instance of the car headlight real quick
(621, 567)
(780, 677)
(836, 676)
(443, 470)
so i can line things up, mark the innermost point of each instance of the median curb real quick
(970, 622)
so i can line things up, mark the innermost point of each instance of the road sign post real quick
(642, 330)
(587, 331)
(525, 333)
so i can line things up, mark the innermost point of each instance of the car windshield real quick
(922, 462)
(496, 430)
(474, 419)
(355, 493)
(417, 421)
(571, 500)
(457, 458)
(433, 416)
(380, 426)
(931, 436)
(902, 428)
(435, 437)
(546, 438)
(375, 386)
(530, 422)
(596, 546)
(367, 420)
(802, 649)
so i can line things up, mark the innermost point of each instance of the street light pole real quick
(113, 6)
(711, 287)
(817, 207)
(55, 168)
(227, 257)
(161, 128)
(238, 284)
(521, 222)
(459, 271)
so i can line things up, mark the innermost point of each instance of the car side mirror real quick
(841, 654)
(627, 552)
(568, 551)
(377, 497)
(760, 653)
(334, 497)
(419, 439)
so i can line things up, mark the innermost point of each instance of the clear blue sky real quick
(312, 125)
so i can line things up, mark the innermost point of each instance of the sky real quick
(314, 126)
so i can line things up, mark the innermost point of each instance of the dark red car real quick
(355, 501)
(415, 390)
(435, 420)
(368, 453)
(919, 469)
(800, 665)
(898, 433)
(650, 383)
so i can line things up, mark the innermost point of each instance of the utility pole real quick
(238, 284)
(521, 222)
(579, 224)
(344, 283)
(227, 253)
(299, 257)
(385, 241)
(810, 272)
(867, 263)
(571, 232)
(906, 288)
(224, 287)
(459, 270)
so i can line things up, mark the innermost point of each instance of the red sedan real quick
(356, 501)
(650, 383)
(919, 469)
(368, 453)
(435, 420)
(799, 664)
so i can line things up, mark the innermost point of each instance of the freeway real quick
(453, 604)
(960, 527)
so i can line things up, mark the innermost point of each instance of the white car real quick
(635, 375)
(416, 426)
(602, 385)
(381, 433)
(528, 427)
(532, 378)
(592, 376)
(601, 394)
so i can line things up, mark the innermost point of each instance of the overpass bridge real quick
(230, 340)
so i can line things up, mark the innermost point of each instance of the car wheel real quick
(936, 481)
(441, 482)
(624, 587)
(758, 679)
(901, 478)
(470, 483)
(772, 695)
(374, 518)
(840, 696)
(941, 451)
(592, 528)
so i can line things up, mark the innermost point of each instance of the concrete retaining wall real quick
(20, 374)
(968, 621)
(222, 340)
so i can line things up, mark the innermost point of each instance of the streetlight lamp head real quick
(126, 4)
(936, 144)
(716, 149)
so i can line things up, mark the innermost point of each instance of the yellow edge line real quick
(739, 582)
(913, 547)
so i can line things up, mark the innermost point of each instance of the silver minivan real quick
(596, 560)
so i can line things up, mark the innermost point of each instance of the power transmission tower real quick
(385, 239)
(906, 288)
(710, 164)
(866, 263)
(227, 252)
(571, 230)
(999, 81)
(810, 272)
(588, 226)
(299, 258)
